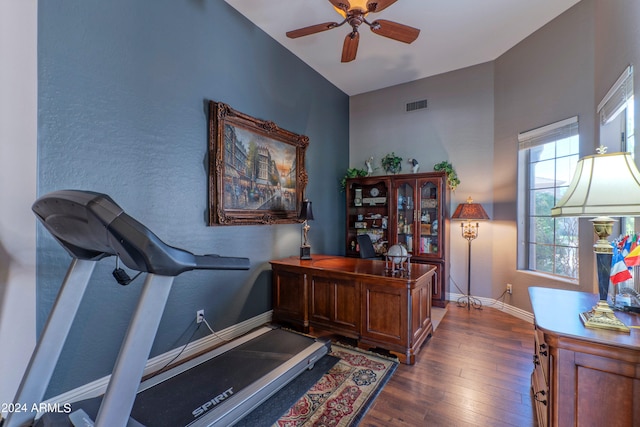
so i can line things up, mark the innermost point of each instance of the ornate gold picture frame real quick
(256, 169)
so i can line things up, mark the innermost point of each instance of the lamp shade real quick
(603, 185)
(469, 210)
(306, 213)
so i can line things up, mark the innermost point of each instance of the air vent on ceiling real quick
(417, 105)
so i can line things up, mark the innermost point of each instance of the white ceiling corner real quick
(454, 34)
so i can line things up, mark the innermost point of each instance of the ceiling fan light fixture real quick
(359, 4)
(354, 12)
(340, 11)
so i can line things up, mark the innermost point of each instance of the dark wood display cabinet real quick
(408, 209)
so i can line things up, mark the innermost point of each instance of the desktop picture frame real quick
(257, 170)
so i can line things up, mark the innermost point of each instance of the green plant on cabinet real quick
(452, 177)
(392, 163)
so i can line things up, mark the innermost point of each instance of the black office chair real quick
(367, 250)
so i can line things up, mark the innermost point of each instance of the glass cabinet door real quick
(405, 193)
(429, 241)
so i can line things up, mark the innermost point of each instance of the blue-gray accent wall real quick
(122, 109)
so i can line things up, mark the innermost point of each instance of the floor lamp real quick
(467, 212)
(604, 185)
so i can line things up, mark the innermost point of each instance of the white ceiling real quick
(454, 34)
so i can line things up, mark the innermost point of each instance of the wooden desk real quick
(582, 376)
(356, 298)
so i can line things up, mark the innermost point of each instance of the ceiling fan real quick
(354, 12)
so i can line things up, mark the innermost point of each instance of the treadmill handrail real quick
(92, 226)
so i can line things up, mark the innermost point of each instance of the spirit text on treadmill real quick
(213, 402)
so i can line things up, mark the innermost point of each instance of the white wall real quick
(456, 126)
(547, 77)
(473, 118)
(18, 148)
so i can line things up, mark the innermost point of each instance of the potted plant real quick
(352, 173)
(452, 177)
(392, 163)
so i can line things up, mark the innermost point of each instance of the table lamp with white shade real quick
(604, 185)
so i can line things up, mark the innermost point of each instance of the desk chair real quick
(367, 250)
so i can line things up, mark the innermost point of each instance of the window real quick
(617, 132)
(617, 126)
(547, 162)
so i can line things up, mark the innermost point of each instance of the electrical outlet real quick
(509, 288)
(199, 316)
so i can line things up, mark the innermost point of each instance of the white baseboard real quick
(499, 305)
(99, 386)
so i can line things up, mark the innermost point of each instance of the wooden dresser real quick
(356, 298)
(582, 377)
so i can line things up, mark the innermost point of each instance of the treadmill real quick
(216, 388)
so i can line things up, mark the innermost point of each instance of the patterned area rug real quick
(343, 395)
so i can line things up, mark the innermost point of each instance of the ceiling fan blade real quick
(378, 5)
(300, 32)
(393, 30)
(350, 46)
(341, 4)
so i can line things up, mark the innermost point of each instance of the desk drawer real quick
(542, 353)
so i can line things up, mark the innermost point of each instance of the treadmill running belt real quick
(180, 400)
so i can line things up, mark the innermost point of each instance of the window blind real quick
(549, 133)
(616, 99)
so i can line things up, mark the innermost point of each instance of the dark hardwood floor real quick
(474, 371)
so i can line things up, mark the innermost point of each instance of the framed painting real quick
(256, 169)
